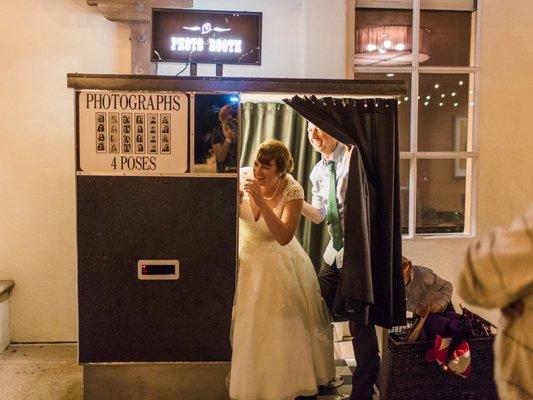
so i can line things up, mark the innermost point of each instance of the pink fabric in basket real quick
(458, 363)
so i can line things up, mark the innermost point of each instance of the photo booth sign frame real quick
(132, 133)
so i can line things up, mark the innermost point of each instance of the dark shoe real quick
(306, 398)
(335, 382)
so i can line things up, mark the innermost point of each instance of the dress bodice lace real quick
(293, 190)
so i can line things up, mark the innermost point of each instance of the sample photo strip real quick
(165, 133)
(127, 141)
(101, 133)
(151, 143)
(140, 133)
(114, 133)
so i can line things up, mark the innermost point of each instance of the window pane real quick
(443, 112)
(404, 105)
(404, 194)
(449, 41)
(441, 196)
(383, 37)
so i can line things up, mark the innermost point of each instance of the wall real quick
(48, 40)
(42, 41)
(506, 142)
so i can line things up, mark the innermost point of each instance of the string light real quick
(426, 103)
(453, 94)
(437, 86)
(441, 104)
(455, 104)
(428, 97)
(406, 98)
(390, 75)
(443, 95)
(461, 83)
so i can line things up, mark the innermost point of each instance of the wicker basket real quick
(407, 374)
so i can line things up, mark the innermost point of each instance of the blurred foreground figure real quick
(498, 273)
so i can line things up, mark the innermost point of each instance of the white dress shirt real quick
(320, 179)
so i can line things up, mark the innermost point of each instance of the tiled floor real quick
(344, 371)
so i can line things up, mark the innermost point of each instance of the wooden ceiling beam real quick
(134, 10)
(138, 14)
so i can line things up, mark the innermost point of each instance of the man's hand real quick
(348, 148)
(429, 309)
(421, 311)
(312, 213)
(228, 132)
(435, 308)
(513, 310)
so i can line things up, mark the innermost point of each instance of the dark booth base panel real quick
(124, 219)
(169, 381)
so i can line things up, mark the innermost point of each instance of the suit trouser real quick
(365, 342)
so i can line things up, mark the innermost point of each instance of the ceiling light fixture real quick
(388, 45)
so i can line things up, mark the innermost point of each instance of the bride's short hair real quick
(277, 151)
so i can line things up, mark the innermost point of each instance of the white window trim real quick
(471, 192)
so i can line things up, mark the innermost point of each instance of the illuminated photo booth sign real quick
(217, 37)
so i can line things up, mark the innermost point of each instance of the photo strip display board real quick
(133, 133)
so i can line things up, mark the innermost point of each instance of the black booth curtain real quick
(371, 289)
(263, 121)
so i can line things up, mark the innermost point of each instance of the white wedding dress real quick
(281, 329)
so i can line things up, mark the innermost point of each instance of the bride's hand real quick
(253, 189)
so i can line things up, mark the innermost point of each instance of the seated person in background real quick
(425, 291)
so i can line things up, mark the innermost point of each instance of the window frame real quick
(471, 153)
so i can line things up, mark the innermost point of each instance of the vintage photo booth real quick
(157, 234)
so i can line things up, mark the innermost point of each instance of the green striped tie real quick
(332, 215)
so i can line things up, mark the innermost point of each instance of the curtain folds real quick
(371, 287)
(264, 121)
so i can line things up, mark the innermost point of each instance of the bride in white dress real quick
(281, 330)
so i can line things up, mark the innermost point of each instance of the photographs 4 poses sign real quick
(132, 133)
(221, 37)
